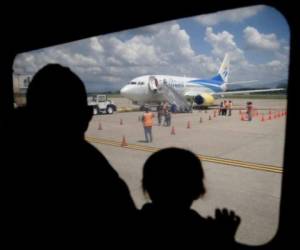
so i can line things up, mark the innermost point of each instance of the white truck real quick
(101, 104)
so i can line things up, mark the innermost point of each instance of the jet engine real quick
(204, 99)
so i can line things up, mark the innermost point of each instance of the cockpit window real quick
(132, 83)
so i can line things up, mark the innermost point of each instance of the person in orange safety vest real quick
(148, 123)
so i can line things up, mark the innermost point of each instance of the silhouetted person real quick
(65, 189)
(173, 179)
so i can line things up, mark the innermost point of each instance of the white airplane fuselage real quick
(176, 89)
(158, 88)
(140, 90)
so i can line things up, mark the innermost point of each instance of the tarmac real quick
(242, 160)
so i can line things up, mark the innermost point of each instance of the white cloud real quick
(117, 58)
(235, 15)
(222, 43)
(95, 45)
(114, 59)
(274, 63)
(257, 40)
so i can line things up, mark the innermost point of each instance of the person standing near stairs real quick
(147, 119)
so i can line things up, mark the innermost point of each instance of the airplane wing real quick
(241, 82)
(221, 94)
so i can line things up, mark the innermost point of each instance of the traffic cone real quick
(188, 124)
(254, 112)
(121, 121)
(242, 117)
(124, 142)
(173, 131)
(270, 116)
(100, 126)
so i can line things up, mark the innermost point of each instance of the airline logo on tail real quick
(224, 69)
(223, 73)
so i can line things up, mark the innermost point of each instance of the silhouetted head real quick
(173, 176)
(57, 97)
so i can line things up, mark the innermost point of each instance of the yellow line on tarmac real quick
(217, 160)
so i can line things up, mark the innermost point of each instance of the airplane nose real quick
(123, 90)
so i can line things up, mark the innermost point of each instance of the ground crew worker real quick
(159, 113)
(167, 118)
(229, 107)
(224, 108)
(165, 107)
(173, 108)
(221, 108)
(249, 110)
(148, 123)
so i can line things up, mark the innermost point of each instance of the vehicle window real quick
(245, 51)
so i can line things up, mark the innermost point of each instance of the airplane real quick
(182, 91)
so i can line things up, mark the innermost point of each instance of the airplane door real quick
(153, 83)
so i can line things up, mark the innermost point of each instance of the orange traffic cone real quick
(254, 113)
(270, 117)
(188, 124)
(100, 126)
(121, 121)
(242, 117)
(173, 131)
(124, 142)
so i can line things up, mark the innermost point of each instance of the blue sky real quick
(257, 39)
(267, 21)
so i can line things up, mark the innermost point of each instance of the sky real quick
(257, 39)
